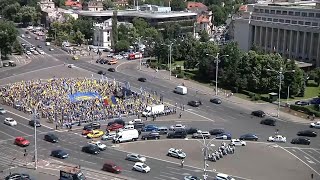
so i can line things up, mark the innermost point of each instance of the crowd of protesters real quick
(51, 99)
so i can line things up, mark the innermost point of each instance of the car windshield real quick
(138, 156)
(144, 166)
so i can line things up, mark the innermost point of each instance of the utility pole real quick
(1, 58)
(170, 68)
(35, 139)
(288, 95)
(140, 54)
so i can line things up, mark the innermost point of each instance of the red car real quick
(86, 131)
(114, 127)
(21, 141)
(111, 167)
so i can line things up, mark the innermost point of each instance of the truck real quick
(153, 110)
(72, 173)
(133, 56)
(126, 135)
(181, 90)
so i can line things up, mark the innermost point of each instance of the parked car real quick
(249, 137)
(238, 142)
(59, 154)
(224, 135)
(315, 125)
(216, 131)
(108, 136)
(93, 125)
(301, 140)
(194, 103)
(150, 127)
(201, 134)
(114, 127)
(302, 103)
(177, 134)
(191, 130)
(9, 121)
(268, 121)
(216, 100)
(277, 138)
(152, 135)
(111, 167)
(135, 157)
(18, 176)
(91, 149)
(307, 133)
(177, 127)
(51, 138)
(258, 113)
(177, 153)
(141, 167)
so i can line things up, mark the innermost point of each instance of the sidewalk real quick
(268, 108)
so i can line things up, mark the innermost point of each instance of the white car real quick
(2, 110)
(238, 142)
(108, 136)
(99, 145)
(41, 52)
(221, 176)
(29, 37)
(177, 126)
(141, 167)
(28, 53)
(71, 66)
(315, 125)
(201, 134)
(10, 122)
(135, 121)
(277, 138)
(177, 153)
(135, 157)
(22, 35)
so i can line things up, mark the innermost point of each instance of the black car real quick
(258, 113)
(301, 140)
(111, 70)
(249, 137)
(59, 154)
(194, 103)
(139, 125)
(152, 135)
(192, 130)
(91, 149)
(94, 125)
(18, 176)
(51, 138)
(177, 134)
(268, 121)
(216, 131)
(216, 100)
(307, 133)
(142, 79)
(101, 73)
(33, 123)
(302, 103)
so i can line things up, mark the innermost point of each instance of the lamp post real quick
(140, 55)
(280, 75)
(35, 135)
(217, 61)
(205, 147)
(170, 58)
(288, 94)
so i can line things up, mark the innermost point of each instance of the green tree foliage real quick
(315, 75)
(59, 3)
(28, 15)
(114, 28)
(85, 26)
(204, 36)
(220, 16)
(107, 4)
(140, 24)
(8, 35)
(10, 11)
(17, 47)
(78, 37)
(122, 45)
(178, 5)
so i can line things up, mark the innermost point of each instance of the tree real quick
(315, 75)
(114, 28)
(59, 3)
(178, 5)
(204, 36)
(17, 47)
(85, 26)
(140, 24)
(10, 11)
(78, 37)
(122, 45)
(219, 15)
(8, 35)
(123, 32)
(107, 4)
(28, 14)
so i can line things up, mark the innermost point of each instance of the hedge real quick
(306, 109)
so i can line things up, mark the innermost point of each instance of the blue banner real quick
(83, 96)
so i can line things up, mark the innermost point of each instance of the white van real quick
(153, 110)
(126, 135)
(181, 90)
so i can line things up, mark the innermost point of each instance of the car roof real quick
(139, 163)
(223, 175)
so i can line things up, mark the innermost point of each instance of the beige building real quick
(93, 6)
(289, 28)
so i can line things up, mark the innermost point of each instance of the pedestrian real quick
(56, 126)
(312, 176)
(182, 107)
(182, 162)
(313, 117)
(180, 114)
(146, 117)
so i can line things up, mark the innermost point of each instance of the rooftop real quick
(297, 4)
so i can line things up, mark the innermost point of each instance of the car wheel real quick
(144, 138)
(144, 171)
(156, 138)
(243, 144)
(311, 126)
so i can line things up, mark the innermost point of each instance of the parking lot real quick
(261, 161)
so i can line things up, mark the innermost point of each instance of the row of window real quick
(286, 21)
(290, 13)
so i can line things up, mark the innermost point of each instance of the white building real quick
(102, 36)
(154, 8)
(289, 28)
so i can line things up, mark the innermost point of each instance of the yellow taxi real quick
(95, 134)
(75, 58)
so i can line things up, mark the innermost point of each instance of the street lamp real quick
(34, 117)
(140, 59)
(205, 147)
(170, 57)
(217, 61)
(280, 75)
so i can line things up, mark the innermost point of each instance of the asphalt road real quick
(229, 116)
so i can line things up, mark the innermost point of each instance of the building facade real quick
(102, 35)
(204, 18)
(93, 6)
(291, 29)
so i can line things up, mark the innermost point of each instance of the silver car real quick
(135, 158)
(2, 110)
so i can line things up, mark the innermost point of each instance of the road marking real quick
(231, 117)
(300, 160)
(7, 135)
(309, 161)
(310, 156)
(86, 161)
(167, 176)
(19, 131)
